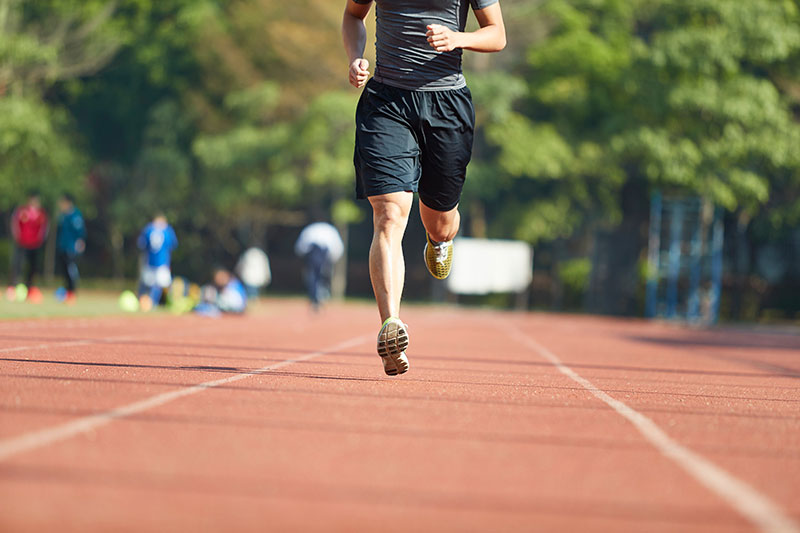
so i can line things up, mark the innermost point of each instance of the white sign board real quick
(483, 266)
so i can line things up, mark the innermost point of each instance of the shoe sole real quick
(392, 343)
(395, 366)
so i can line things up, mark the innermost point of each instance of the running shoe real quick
(438, 257)
(392, 344)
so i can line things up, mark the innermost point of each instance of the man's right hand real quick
(359, 72)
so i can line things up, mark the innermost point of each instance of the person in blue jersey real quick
(414, 129)
(70, 243)
(157, 241)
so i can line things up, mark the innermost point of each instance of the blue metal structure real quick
(684, 271)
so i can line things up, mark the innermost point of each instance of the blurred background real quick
(637, 145)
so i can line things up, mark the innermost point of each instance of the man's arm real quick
(141, 242)
(15, 225)
(491, 37)
(174, 238)
(354, 35)
(45, 227)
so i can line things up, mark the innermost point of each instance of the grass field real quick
(90, 303)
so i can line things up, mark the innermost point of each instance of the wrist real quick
(460, 39)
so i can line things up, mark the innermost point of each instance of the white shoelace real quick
(441, 250)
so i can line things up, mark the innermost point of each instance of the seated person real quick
(226, 295)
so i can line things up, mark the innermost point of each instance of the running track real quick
(283, 421)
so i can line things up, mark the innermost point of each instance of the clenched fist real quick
(359, 72)
(442, 38)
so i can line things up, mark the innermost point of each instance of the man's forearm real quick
(354, 35)
(488, 39)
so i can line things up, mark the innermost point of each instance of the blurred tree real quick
(41, 44)
(623, 96)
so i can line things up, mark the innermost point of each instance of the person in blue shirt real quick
(227, 295)
(232, 296)
(70, 243)
(157, 241)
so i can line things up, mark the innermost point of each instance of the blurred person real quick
(253, 270)
(321, 246)
(157, 241)
(29, 225)
(414, 132)
(226, 295)
(70, 243)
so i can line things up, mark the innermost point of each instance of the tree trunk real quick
(117, 252)
(477, 215)
(615, 278)
(742, 264)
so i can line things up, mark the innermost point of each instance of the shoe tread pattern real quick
(392, 344)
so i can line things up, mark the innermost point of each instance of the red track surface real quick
(483, 433)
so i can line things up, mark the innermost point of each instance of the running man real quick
(414, 129)
(321, 246)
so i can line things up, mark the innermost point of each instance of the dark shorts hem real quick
(363, 194)
(438, 205)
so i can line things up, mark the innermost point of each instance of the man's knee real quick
(443, 227)
(388, 214)
(443, 233)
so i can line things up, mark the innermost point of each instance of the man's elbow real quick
(496, 42)
(500, 42)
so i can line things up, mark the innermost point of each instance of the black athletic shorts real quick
(418, 141)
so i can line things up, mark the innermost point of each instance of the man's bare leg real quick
(440, 225)
(387, 272)
(386, 264)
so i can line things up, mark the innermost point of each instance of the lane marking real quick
(744, 499)
(37, 439)
(62, 344)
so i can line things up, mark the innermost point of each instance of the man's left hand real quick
(442, 38)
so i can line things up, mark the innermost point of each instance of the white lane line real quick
(64, 344)
(744, 499)
(37, 439)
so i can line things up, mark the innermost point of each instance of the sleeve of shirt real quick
(481, 4)
(173, 237)
(45, 227)
(141, 242)
(15, 225)
(80, 227)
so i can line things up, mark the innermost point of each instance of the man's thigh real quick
(387, 154)
(447, 149)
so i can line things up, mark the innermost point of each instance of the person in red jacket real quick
(29, 228)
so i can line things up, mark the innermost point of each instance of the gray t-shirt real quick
(405, 59)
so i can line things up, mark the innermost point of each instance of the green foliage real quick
(574, 274)
(35, 151)
(680, 95)
(237, 113)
